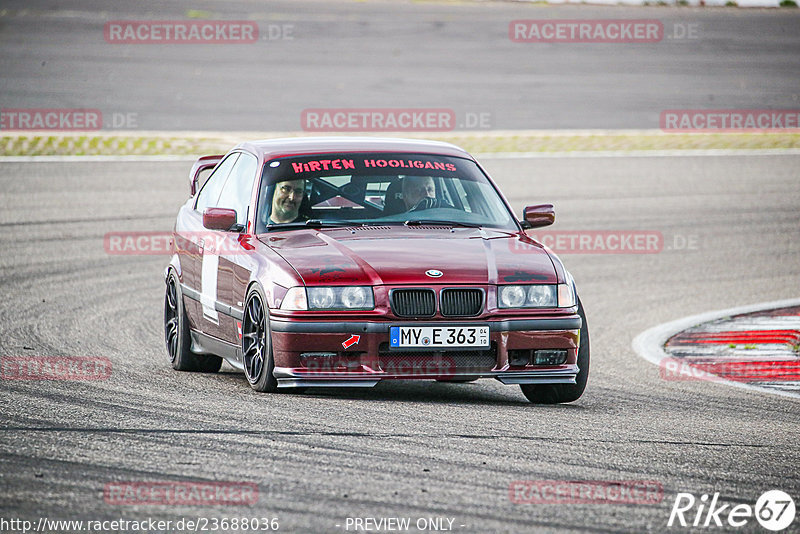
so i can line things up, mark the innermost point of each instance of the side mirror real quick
(539, 215)
(202, 164)
(219, 218)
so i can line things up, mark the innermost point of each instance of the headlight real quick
(321, 298)
(536, 296)
(540, 296)
(512, 297)
(356, 298)
(329, 298)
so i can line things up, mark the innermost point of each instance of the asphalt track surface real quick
(401, 449)
(381, 54)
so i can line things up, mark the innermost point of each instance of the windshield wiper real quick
(420, 222)
(310, 223)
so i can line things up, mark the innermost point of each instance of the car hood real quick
(400, 255)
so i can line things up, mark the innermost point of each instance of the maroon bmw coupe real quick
(347, 261)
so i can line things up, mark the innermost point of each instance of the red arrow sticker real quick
(352, 341)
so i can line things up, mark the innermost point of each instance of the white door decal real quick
(208, 279)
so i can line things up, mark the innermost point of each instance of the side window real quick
(239, 186)
(208, 195)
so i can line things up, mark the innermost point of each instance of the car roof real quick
(294, 146)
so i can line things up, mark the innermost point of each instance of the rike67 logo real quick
(774, 510)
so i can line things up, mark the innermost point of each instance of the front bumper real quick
(356, 354)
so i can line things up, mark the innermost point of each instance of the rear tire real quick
(558, 393)
(177, 337)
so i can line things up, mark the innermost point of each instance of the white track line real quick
(650, 343)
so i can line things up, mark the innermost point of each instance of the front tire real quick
(558, 393)
(177, 338)
(257, 345)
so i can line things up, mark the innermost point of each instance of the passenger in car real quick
(417, 188)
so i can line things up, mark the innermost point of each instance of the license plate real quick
(438, 336)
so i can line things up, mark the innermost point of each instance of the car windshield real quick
(377, 189)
